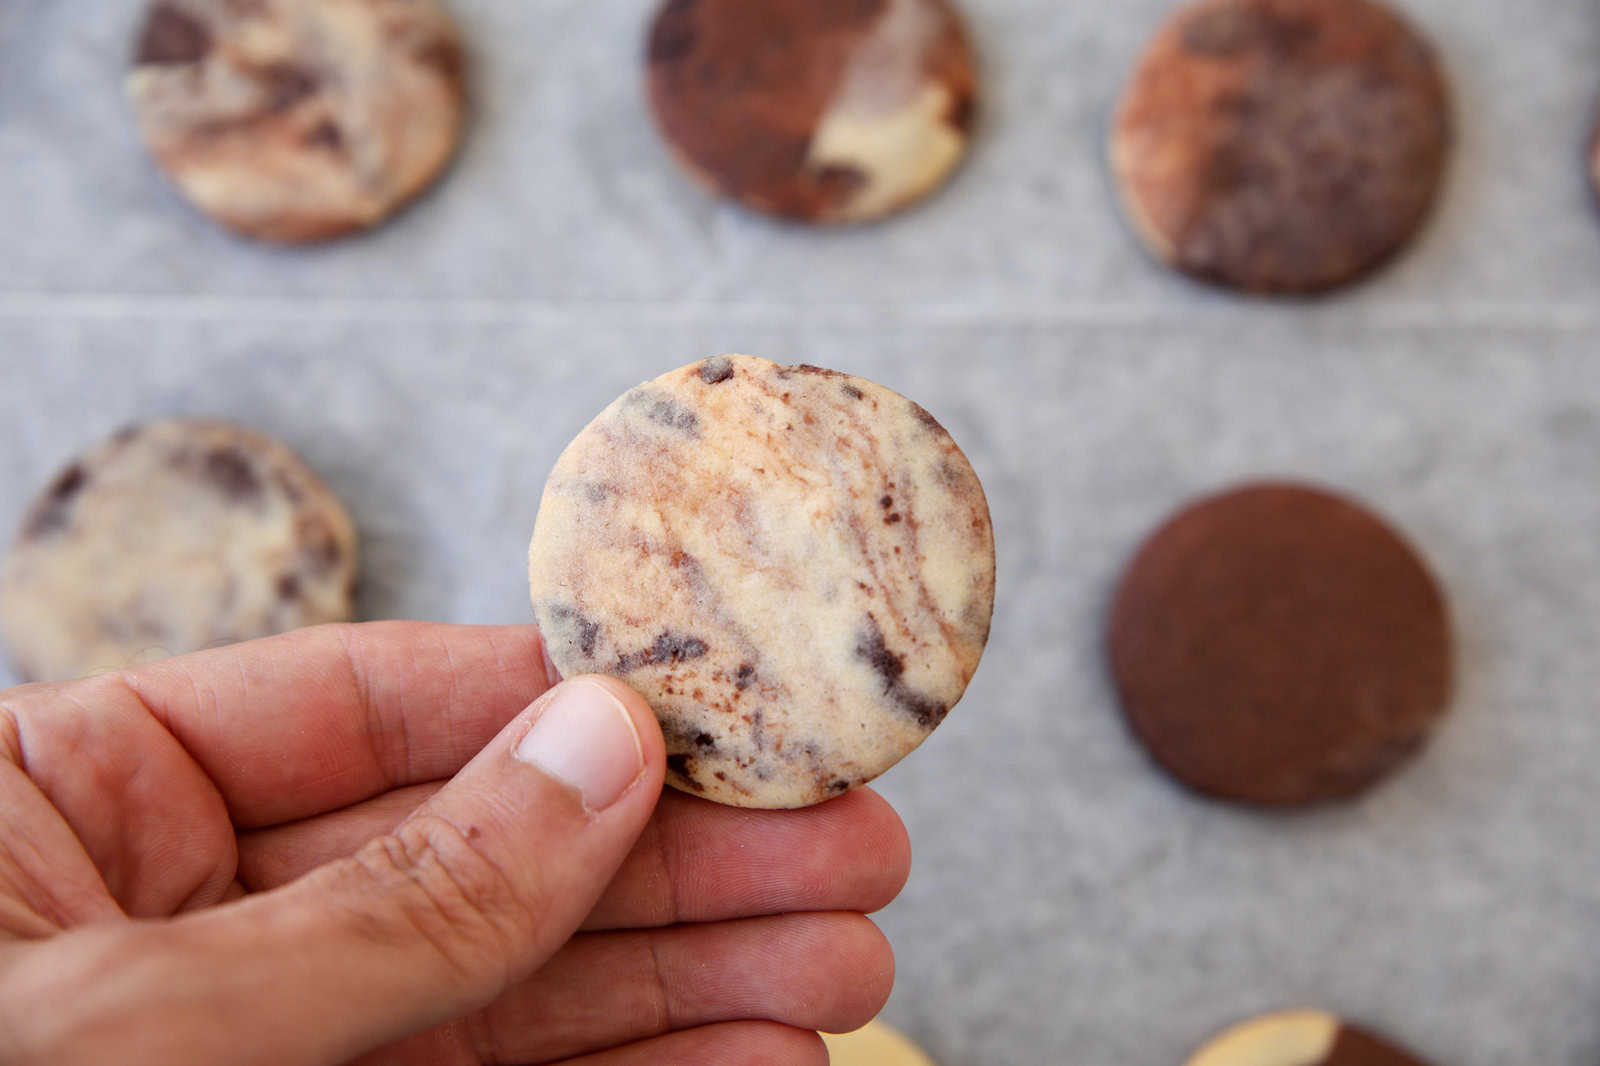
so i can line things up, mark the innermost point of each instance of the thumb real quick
(474, 891)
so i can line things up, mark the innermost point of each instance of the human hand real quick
(252, 855)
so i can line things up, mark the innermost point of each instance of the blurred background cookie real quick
(1281, 145)
(817, 110)
(793, 565)
(1277, 644)
(169, 538)
(1300, 1038)
(874, 1044)
(299, 120)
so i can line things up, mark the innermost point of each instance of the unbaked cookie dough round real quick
(1300, 1038)
(875, 1044)
(1282, 145)
(793, 565)
(168, 538)
(816, 110)
(1277, 644)
(299, 120)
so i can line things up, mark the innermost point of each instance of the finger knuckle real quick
(451, 893)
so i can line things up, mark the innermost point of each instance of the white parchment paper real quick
(1068, 904)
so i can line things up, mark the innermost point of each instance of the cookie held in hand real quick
(168, 538)
(299, 120)
(793, 565)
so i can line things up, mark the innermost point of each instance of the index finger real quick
(317, 719)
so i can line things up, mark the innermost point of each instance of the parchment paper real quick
(1068, 904)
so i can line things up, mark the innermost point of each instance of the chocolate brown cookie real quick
(1277, 644)
(168, 538)
(818, 110)
(1594, 159)
(299, 120)
(794, 566)
(1300, 1038)
(1282, 145)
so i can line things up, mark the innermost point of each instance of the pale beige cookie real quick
(794, 566)
(299, 120)
(1299, 1038)
(875, 1044)
(169, 538)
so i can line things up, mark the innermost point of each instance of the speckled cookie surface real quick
(794, 566)
(169, 538)
(817, 110)
(1300, 1038)
(1278, 644)
(298, 120)
(1282, 145)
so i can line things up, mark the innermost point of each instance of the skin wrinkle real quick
(375, 733)
(227, 861)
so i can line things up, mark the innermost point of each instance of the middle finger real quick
(695, 862)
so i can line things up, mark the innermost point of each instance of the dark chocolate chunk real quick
(586, 631)
(679, 766)
(231, 473)
(716, 370)
(445, 56)
(668, 648)
(326, 134)
(286, 85)
(891, 668)
(172, 36)
(53, 512)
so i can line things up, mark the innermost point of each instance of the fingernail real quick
(585, 738)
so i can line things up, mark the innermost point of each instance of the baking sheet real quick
(1068, 904)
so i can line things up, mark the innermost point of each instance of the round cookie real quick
(875, 1044)
(1282, 145)
(169, 538)
(1279, 645)
(299, 120)
(794, 566)
(1299, 1038)
(816, 110)
(1594, 160)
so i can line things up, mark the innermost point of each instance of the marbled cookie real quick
(818, 110)
(169, 538)
(299, 120)
(1277, 644)
(1300, 1038)
(794, 566)
(1282, 145)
